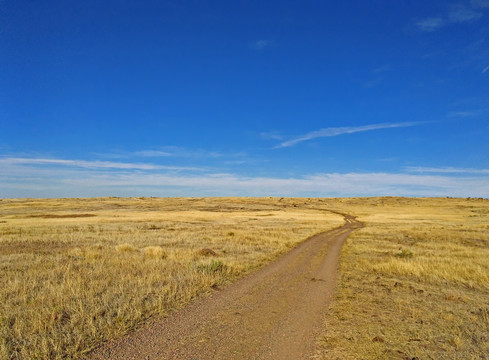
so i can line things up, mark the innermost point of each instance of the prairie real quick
(77, 272)
(414, 282)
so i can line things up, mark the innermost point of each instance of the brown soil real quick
(275, 313)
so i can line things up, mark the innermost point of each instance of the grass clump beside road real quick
(414, 282)
(77, 272)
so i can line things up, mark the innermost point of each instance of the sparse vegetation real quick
(404, 253)
(75, 273)
(212, 266)
(414, 281)
(417, 277)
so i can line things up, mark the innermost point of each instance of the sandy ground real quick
(275, 313)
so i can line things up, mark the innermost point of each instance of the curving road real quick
(275, 313)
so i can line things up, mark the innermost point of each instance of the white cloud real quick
(335, 131)
(41, 179)
(88, 164)
(446, 170)
(430, 24)
(456, 14)
(153, 153)
(464, 114)
(460, 13)
(485, 69)
(175, 151)
(271, 136)
(480, 4)
(170, 152)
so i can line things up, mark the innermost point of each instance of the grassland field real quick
(414, 282)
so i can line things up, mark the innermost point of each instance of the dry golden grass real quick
(125, 247)
(76, 272)
(414, 282)
(156, 252)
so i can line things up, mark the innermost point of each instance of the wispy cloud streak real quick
(456, 14)
(430, 24)
(89, 164)
(460, 13)
(170, 152)
(335, 131)
(480, 3)
(464, 114)
(153, 153)
(446, 170)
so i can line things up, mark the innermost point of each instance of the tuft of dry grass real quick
(125, 247)
(155, 252)
(70, 281)
(417, 277)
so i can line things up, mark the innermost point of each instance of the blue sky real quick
(254, 98)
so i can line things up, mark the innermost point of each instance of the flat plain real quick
(78, 272)
(414, 282)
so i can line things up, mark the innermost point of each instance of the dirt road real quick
(275, 313)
